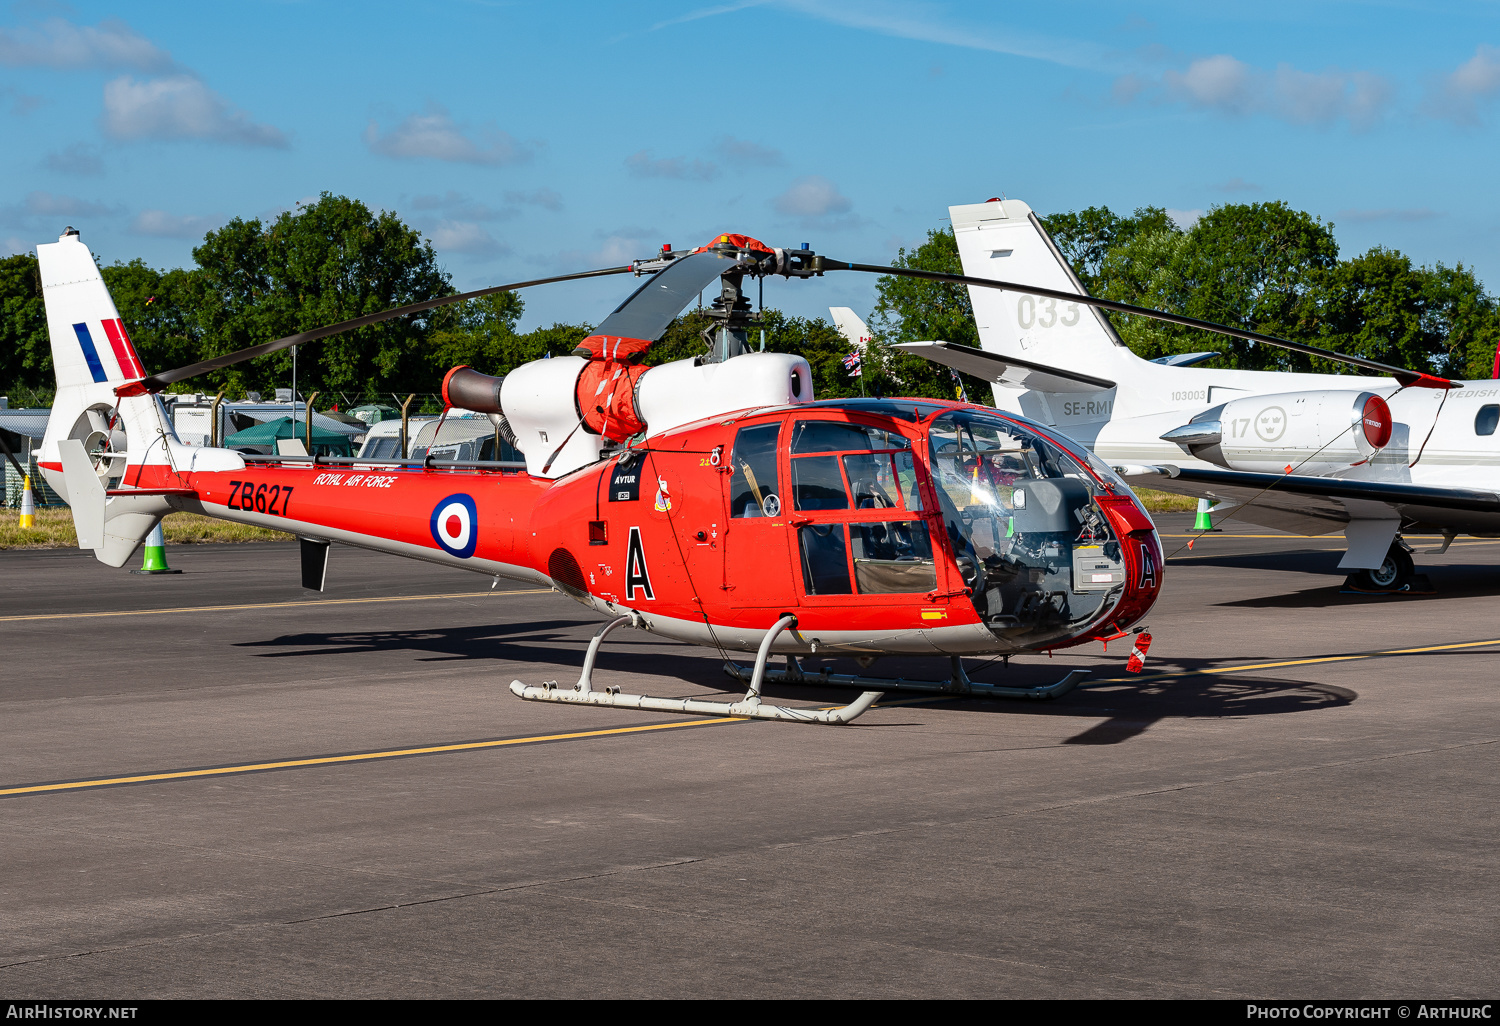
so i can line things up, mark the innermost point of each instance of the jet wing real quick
(1318, 505)
(1005, 370)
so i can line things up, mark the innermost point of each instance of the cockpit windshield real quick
(1032, 546)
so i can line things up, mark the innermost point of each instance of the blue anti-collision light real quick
(806, 246)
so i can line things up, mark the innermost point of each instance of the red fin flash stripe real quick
(130, 364)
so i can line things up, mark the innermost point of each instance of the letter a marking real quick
(636, 574)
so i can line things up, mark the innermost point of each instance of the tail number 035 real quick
(1042, 313)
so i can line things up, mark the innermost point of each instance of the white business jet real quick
(1306, 453)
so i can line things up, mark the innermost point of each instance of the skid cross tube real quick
(750, 706)
(958, 684)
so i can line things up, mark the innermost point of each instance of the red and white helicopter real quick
(708, 500)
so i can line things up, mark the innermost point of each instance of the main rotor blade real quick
(1401, 374)
(156, 382)
(648, 310)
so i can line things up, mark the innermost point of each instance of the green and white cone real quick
(1202, 522)
(156, 554)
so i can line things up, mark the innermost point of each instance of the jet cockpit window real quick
(1486, 420)
(755, 486)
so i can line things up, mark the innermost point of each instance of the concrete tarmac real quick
(239, 789)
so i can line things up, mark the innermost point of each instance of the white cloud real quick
(109, 45)
(457, 206)
(15, 244)
(435, 136)
(40, 208)
(171, 226)
(616, 248)
(179, 107)
(1388, 214)
(545, 198)
(76, 159)
(743, 152)
(1184, 219)
(1456, 97)
(465, 237)
(812, 196)
(21, 103)
(1229, 86)
(643, 165)
(926, 23)
(1240, 185)
(1220, 82)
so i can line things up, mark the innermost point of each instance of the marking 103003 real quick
(259, 498)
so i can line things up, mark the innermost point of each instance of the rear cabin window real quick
(755, 486)
(1486, 419)
(842, 466)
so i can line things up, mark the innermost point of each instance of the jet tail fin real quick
(851, 326)
(1004, 240)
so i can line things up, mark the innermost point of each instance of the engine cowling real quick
(1311, 432)
(562, 411)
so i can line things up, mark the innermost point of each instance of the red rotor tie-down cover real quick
(737, 241)
(611, 347)
(606, 398)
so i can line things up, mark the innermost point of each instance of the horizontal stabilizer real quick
(1005, 370)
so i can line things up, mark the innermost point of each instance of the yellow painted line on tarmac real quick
(393, 753)
(309, 604)
(334, 760)
(1297, 662)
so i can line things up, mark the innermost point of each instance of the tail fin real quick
(1005, 241)
(850, 326)
(89, 343)
(123, 445)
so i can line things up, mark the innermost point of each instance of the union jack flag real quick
(852, 362)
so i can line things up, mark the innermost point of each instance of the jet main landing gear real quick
(1397, 575)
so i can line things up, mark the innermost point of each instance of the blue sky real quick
(531, 138)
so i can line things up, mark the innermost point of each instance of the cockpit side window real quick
(755, 487)
(840, 436)
(816, 483)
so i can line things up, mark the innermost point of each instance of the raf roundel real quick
(455, 523)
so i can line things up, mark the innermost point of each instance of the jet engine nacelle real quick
(1316, 432)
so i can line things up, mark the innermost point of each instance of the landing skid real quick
(958, 684)
(750, 706)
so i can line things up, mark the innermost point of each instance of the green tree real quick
(1254, 266)
(332, 260)
(913, 310)
(154, 306)
(25, 354)
(1087, 237)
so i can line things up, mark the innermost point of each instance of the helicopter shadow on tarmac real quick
(1177, 691)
